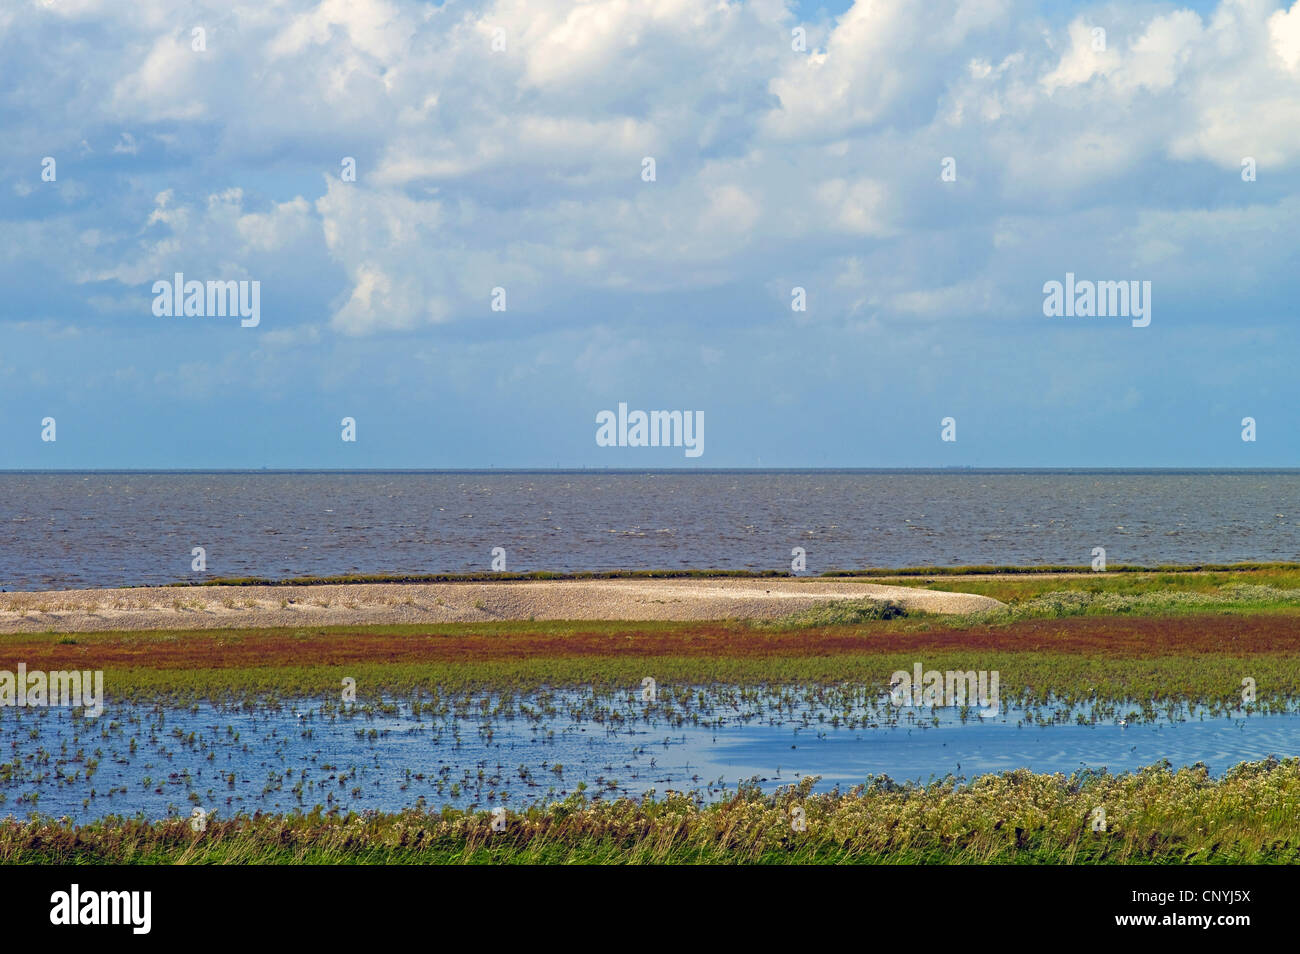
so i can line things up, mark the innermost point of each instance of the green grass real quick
(1154, 816)
(1060, 599)
(838, 613)
(691, 687)
(1022, 587)
(1136, 601)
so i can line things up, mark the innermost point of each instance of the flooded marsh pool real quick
(155, 760)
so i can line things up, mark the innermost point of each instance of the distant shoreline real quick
(987, 570)
(323, 604)
(980, 571)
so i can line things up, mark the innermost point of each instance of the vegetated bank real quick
(1156, 815)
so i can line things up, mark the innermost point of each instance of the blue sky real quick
(522, 168)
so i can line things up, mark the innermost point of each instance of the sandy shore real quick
(212, 607)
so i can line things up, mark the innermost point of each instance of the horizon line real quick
(949, 469)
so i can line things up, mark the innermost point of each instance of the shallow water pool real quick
(157, 761)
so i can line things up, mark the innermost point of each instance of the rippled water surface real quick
(78, 529)
(143, 759)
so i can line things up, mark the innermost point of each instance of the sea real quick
(68, 529)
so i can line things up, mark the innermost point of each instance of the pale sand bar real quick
(215, 607)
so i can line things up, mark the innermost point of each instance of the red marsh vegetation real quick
(1134, 637)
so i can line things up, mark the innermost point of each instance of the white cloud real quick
(521, 169)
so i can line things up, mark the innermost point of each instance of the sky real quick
(502, 267)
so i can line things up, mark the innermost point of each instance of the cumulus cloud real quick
(502, 144)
